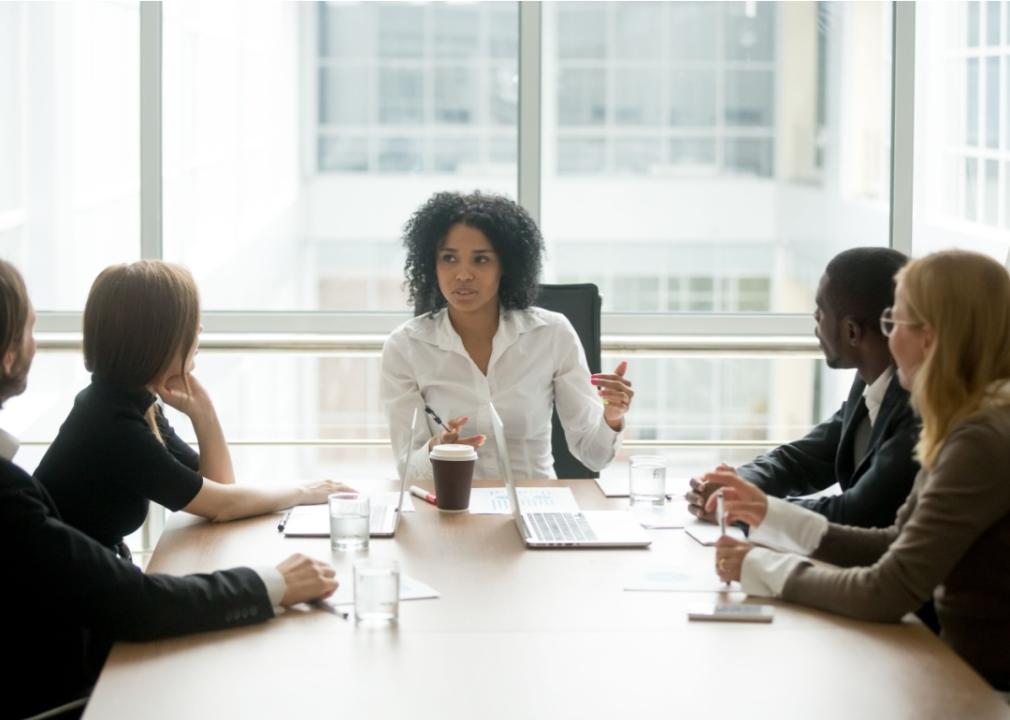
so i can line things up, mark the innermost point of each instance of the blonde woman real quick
(949, 332)
(116, 451)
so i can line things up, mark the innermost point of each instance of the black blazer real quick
(873, 490)
(66, 598)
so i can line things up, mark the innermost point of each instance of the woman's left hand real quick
(192, 401)
(729, 555)
(616, 392)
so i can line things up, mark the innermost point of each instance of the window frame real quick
(733, 332)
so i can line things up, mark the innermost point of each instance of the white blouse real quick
(536, 361)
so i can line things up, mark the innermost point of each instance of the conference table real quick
(519, 633)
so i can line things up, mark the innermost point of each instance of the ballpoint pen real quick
(331, 609)
(284, 521)
(436, 418)
(420, 492)
(720, 513)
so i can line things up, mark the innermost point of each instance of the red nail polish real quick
(594, 381)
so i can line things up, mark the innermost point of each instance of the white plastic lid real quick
(453, 452)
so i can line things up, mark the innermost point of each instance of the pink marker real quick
(420, 492)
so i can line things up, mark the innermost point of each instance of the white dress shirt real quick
(873, 394)
(272, 578)
(536, 362)
(792, 531)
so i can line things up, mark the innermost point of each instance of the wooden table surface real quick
(523, 633)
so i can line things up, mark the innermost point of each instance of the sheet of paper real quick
(410, 589)
(617, 486)
(495, 501)
(673, 514)
(708, 533)
(314, 520)
(672, 580)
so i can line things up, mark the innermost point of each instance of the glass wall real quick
(69, 143)
(300, 137)
(962, 132)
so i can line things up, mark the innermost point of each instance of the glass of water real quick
(647, 480)
(376, 591)
(349, 514)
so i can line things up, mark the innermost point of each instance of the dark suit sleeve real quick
(67, 575)
(874, 499)
(802, 467)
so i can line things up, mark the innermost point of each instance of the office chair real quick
(580, 303)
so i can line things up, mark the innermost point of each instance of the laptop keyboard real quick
(560, 527)
(378, 518)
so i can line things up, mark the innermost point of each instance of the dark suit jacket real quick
(873, 490)
(65, 598)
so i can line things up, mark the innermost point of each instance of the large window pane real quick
(69, 144)
(770, 154)
(962, 129)
(291, 169)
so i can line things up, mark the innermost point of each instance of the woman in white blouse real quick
(473, 266)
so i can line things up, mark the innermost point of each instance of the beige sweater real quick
(951, 539)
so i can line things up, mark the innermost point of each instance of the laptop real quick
(385, 518)
(384, 515)
(606, 528)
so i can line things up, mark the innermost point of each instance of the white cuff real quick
(275, 584)
(764, 572)
(790, 528)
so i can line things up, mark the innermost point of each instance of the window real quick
(962, 120)
(69, 144)
(706, 149)
(300, 137)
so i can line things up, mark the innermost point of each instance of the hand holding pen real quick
(451, 434)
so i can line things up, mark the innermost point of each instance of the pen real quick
(284, 521)
(332, 609)
(422, 493)
(720, 513)
(436, 418)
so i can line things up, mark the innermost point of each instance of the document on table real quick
(495, 501)
(673, 514)
(672, 580)
(314, 520)
(617, 486)
(708, 533)
(410, 589)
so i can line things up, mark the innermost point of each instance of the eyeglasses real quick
(888, 323)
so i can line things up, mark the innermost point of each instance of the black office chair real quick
(580, 303)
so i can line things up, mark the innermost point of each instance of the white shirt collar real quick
(438, 330)
(873, 394)
(8, 445)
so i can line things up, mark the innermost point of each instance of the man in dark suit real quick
(66, 598)
(865, 447)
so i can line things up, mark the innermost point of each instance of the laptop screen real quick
(408, 446)
(504, 465)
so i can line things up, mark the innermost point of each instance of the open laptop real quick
(385, 518)
(384, 515)
(607, 528)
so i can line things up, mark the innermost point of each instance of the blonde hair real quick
(137, 318)
(964, 298)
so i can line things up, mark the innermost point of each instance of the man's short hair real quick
(861, 283)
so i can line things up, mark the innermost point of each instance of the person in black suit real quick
(66, 598)
(865, 447)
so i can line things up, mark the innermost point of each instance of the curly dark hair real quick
(508, 227)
